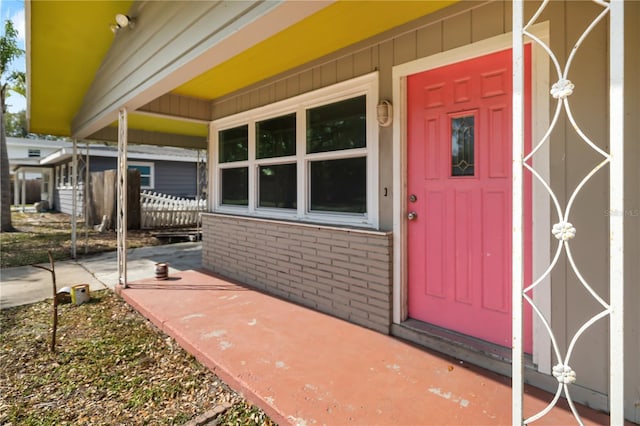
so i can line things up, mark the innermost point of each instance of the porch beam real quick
(616, 216)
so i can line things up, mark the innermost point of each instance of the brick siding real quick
(342, 272)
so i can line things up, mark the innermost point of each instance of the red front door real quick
(459, 193)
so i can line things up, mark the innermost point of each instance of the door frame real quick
(540, 202)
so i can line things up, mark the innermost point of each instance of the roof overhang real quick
(76, 82)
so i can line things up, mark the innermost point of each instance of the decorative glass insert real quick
(276, 137)
(339, 185)
(462, 146)
(233, 144)
(235, 186)
(278, 186)
(337, 126)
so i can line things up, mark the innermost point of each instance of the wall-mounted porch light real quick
(384, 113)
(122, 21)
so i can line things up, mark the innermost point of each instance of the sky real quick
(14, 11)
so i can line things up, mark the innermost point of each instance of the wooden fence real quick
(164, 211)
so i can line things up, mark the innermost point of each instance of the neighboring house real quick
(361, 161)
(27, 154)
(166, 170)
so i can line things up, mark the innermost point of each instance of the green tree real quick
(16, 124)
(15, 81)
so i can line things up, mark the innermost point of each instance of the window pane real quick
(276, 137)
(462, 146)
(337, 126)
(145, 181)
(339, 185)
(278, 186)
(235, 186)
(144, 170)
(233, 144)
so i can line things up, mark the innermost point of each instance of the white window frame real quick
(364, 85)
(63, 175)
(152, 180)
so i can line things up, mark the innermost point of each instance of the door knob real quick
(412, 215)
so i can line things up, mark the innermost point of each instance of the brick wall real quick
(343, 272)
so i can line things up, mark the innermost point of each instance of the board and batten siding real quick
(339, 271)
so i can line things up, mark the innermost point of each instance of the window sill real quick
(299, 222)
(325, 219)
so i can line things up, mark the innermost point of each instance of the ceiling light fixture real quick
(122, 21)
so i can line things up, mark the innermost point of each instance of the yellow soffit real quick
(155, 123)
(333, 28)
(68, 40)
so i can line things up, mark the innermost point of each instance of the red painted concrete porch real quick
(305, 367)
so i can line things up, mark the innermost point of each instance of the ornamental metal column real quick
(121, 227)
(616, 206)
(563, 230)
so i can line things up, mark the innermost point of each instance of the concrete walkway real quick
(302, 367)
(26, 284)
(307, 368)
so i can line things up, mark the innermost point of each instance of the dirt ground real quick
(111, 366)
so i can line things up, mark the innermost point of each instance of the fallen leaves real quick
(38, 233)
(112, 367)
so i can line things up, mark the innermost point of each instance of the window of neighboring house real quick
(63, 174)
(34, 153)
(70, 174)
(147, 178)
(313, 157)
(56, 174)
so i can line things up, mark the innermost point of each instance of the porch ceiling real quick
(68, 40)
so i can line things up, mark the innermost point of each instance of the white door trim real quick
(541, 217)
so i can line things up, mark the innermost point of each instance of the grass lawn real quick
(39, 232)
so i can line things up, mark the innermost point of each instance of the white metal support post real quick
(74, 199)
(616, 216)
(16, 189)
(86, 199)
(122, 197)
(517, 385)
(23, 190)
